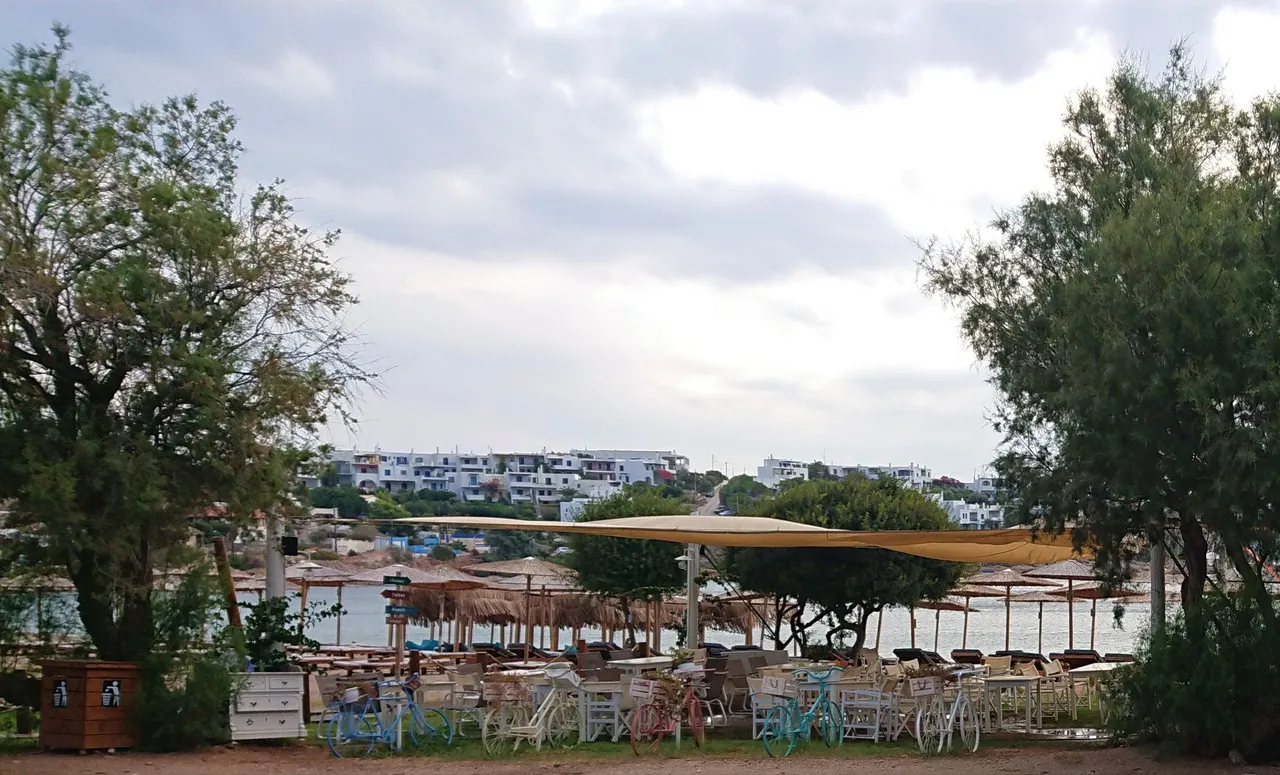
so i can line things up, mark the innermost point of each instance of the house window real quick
(446, 461)
(564, 480)
(386, 472)
(548, 480)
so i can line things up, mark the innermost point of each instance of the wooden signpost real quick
(398, 615)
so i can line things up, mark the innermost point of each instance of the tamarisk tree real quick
(167, 341)
(1130, 321)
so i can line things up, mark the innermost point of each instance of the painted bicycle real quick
(662, 713)
(787, 724)
(386, 719)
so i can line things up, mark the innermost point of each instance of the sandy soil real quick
(249, 760)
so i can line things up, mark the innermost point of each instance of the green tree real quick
(627, 569)
(442, 552)
(843, 586)
(1127, 318)
(165, 340)
(512, 545)
(818, 470)
(346, 499)
(740, 492)
(363, 533)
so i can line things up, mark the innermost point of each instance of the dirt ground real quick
(247, 760)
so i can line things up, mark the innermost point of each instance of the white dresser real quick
(266, 706)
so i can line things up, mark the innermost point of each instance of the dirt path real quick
(251, 760)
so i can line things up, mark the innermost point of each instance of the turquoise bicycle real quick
(786, 724)
(359, 726)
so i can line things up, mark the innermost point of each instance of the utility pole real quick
(275, 559)
(692, 593)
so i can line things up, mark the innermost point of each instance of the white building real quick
(984, 484)
(775, 471)
(665, 458)
(521, 477)
(911, 475)
(971, 516)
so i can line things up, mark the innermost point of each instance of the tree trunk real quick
(1195, 550)
(101, 592)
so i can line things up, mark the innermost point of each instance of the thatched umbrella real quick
(1039, 596)
(1070, 571)
(968, 592)
(1006, 579)
(307, 574)
(938, 606)
(1093, 591)
(529, 567)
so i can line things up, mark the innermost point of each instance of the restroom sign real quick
(60, 693)
(111, 692)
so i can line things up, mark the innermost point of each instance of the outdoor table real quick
(616, 692)
(634, 667)
(1097, 675)
(1015, 682)
(533, 664)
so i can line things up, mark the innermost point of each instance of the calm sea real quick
(364, 623)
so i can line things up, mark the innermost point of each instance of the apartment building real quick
(521, 477)
(911, 475)
(971, 516)
(774, 471)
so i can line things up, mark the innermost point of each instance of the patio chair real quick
(736, 687)
(866, 712)
(998, 665)
(1073, 658)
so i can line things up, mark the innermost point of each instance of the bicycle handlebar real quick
(819, 676)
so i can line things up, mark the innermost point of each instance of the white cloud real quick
(294, 75)
(933, 157)
(661, 360)
(1245, 39)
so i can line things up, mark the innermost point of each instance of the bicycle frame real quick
(366, 723)
(788, 723)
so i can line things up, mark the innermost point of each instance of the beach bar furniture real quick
(89, 705)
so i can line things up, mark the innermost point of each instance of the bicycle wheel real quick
(647, 729)
(697, 728)
(349, 734)
(491, 733)
(967, 724)
(929, 728)
(428, 725)
(778, 733)
(562, 729)
(830, 724)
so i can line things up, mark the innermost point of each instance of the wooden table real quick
(636, 666)
(1015, 682)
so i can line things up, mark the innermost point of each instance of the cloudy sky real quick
(652, 223)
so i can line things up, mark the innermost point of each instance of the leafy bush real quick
(186, 682)
(1207, 684)
(442, 552)
(325, 554)
(270, 622)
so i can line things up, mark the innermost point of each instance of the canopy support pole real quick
(691, 595)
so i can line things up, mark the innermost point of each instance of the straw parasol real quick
(529, 567)
(968, 592)
(1006, 579)
(1070, 571)
(1093, 591)
(308, 574)
(1039, 596)
(938, 606)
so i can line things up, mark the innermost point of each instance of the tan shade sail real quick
(1015, 545)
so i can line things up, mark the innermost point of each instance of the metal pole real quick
(1157, 585)
(275, 560)
(691, 595)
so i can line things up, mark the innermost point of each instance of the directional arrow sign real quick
(397, 619)
(403, 580)
(395, 594)
(403, 610)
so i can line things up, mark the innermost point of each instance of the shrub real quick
(325, 554)
(1208, 683)
(442, 552)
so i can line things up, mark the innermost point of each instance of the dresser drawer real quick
(272, 723)
(256, 702)
(285, 682)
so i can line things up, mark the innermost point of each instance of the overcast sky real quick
(652, 224)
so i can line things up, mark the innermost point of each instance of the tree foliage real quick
(1128, 318)
(741, 491)
(628, 569)
(839, 585)
(166, 342)
(346, 499)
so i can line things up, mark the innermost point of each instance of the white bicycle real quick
(936, 724)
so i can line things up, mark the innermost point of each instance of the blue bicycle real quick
(787, 723)
(364, 723)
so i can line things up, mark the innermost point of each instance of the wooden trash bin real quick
(89, 705)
